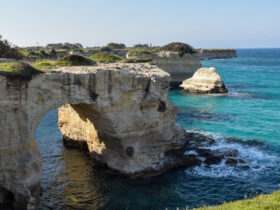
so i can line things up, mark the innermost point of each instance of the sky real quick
(200, 23)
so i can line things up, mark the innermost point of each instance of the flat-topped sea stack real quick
(119, 112)
(209, 54)
(204, 81)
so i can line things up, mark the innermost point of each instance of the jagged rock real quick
(234, 161)
(199, 140)
(121, 112)
(205, 80)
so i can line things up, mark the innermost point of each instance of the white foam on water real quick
(258, 161)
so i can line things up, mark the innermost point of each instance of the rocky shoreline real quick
(209, 54)
(195, 152)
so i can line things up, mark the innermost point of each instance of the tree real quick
(7, 51)
(113, 45)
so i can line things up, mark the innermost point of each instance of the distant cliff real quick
(179, 67)
(208, 54)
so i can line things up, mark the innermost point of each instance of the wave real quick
(259, 160)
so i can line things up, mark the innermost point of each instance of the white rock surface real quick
(120, 111)
(205, 80)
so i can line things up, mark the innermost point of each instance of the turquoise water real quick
(252, 107)
(247, 118)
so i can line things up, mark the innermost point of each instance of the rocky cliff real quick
(120, 112)
(178, 66)
(208, 54)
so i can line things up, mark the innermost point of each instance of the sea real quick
(247, 118)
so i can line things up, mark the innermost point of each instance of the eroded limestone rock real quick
(179, 67)
(121, 112)
(205, 80)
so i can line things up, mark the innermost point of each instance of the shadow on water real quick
(190, 114)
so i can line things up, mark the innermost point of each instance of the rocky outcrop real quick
(179, 67)
(205, 80)
(209, 54)
(120, 112)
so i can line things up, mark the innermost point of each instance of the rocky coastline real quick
(209, 54)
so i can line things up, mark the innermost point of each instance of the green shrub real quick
(113, 45)
(74, 60)
(105, 57)
(7, 51)
(145, 46)
(179, 47)
(106, 49)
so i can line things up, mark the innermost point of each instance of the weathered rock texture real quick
(208, 54)
(205, 80)
(121, 112)
(179, 67)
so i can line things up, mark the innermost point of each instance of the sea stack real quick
(204, 81)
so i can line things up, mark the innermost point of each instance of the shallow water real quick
(248, 118)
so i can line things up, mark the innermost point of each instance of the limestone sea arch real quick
(120, 111)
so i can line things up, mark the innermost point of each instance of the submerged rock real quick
(204, 80)
(234, 161)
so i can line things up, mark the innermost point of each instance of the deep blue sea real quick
(247, 118)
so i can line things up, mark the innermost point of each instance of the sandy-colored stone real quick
(179, 67)
(205, 80)
(121, 111)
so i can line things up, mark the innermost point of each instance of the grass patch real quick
(74, 60)
(44, 64)
(20, 70)
(137, 60)
(271, 201)
(105, 57)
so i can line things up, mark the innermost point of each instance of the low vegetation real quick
(8, 51)
(179, 47)
(137, 46)
(20, 69)
(141, 51)
(271, 201)
(137, 60)
(106, 49)
(44, 64)
(74, 60)
(105, 57)
(113, 45)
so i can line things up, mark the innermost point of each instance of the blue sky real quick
(201, 23)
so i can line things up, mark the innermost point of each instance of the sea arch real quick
(120, 111)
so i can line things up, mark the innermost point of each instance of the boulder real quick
(204, 80)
